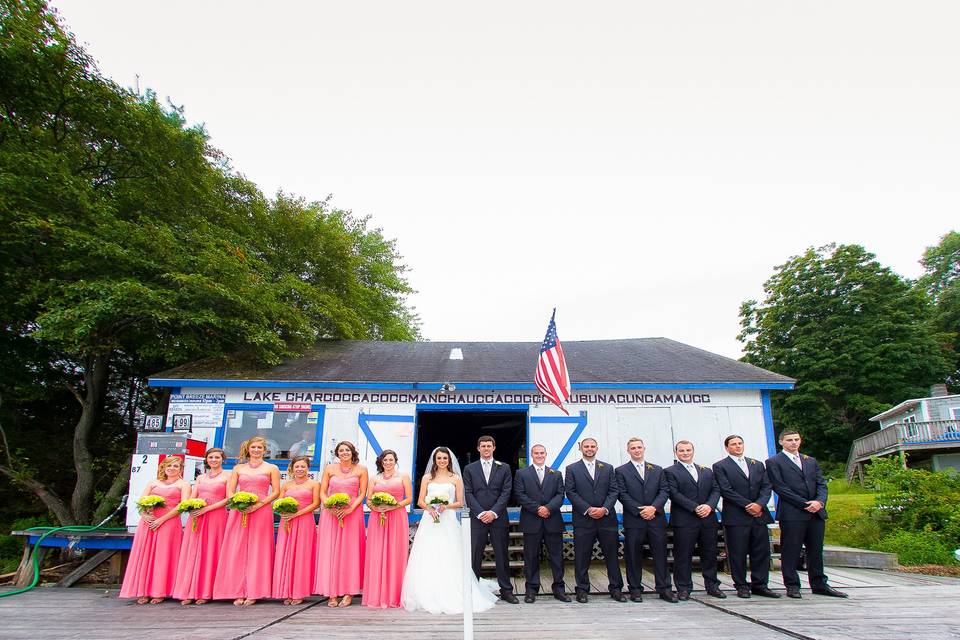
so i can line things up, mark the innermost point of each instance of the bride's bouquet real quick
(147, 504)
(241, 501)
(337, 500)
(437, 499)
(189, 505)
(383, 499)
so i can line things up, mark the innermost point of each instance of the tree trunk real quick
(109, 500)
(57, 507)
(95, 377)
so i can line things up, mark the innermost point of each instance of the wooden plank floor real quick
(883, 605)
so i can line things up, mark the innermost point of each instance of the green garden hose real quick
(51, 530)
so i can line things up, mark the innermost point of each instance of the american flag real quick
(551, 376)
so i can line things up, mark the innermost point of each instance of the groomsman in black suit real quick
(746, 491)
(801, 511)
(642, 488)
(539, 490)
(591, 486)
(487, 485)
(694, 495)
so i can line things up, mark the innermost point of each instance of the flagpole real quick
(467, 562)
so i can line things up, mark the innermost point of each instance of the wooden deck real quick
(883, 605)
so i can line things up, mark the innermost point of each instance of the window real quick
(288, 433)
(910, 422)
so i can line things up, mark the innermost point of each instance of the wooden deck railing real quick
(906, 435)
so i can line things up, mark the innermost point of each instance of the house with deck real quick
(924, 432)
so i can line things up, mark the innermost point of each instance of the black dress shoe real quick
(683, 594)
(668, 596)
(582, 596)
(618, 596)
(716, 593)
(830, 591)
(561, 596)
(794, 592)
(743, 592)
(765, 592)
(530, 597)
(507, 596)
(636, 596)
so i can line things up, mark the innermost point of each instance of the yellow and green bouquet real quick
(189, 505)
(147, 504)
(337, 501)
(286, 505)
(383, 499)
(241, 501)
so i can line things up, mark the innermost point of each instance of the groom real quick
(486, 487)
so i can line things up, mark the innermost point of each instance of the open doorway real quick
(459, 430)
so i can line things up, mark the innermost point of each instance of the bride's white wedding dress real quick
(434, 578)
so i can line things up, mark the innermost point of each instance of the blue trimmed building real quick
(413, 396)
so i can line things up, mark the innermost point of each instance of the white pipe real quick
(468, 576)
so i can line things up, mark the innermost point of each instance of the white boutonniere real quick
(497, 463)
(649, 467)
(600, 465)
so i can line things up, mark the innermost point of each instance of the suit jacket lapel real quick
(793, 465)
(748, 476)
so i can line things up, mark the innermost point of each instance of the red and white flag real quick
(551, 376)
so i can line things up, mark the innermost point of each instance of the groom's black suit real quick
(481, 495)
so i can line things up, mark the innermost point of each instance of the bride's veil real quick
(454, 463)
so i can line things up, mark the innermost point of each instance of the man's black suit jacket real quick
(737, 491)
(584, 493)
(531, 496)
(635, 493)
(686, 494)
(481, 495)
(796, 488)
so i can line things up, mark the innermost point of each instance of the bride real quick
(434, 578)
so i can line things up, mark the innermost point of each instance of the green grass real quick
(848, 524)
(840, 487)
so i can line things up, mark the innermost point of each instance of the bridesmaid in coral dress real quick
(295, 564)
(152, 567)
(387, 543)
(340, 533)
(245, 568)
(203, 534)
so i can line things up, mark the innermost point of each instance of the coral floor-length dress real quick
(296, 559)
(200, 551)
(152, 567)
(386, 553)
(245, 568)
(340, 549)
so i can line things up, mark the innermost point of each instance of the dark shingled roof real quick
(643, 360)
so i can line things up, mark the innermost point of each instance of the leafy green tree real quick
(942, 281)
(127, 245)
(856, 337)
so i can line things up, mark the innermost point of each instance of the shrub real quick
(917, 547)
(915, 499)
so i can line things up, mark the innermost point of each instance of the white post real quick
(467, 574)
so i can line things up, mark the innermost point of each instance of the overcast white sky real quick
(642, 166)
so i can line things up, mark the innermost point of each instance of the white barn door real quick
(653, 425)
(379, 431)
